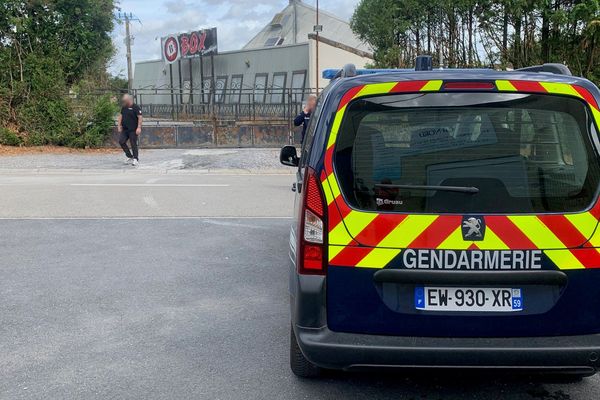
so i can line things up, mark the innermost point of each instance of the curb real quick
(155, 171)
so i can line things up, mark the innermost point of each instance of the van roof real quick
(460, 74)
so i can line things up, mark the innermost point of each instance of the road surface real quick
(173, 287)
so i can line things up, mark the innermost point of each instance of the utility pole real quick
(128, 45)
(127, 18)
(317, 28)
(441, 40)
(295, 23)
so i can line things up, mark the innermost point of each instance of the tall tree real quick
(46, 48)
(504, 33)
(380, 29)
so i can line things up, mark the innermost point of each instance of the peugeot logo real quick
(473, 228)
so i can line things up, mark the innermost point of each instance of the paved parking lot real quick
(158, 286)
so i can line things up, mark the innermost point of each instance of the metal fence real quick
(199, 118)
(224, 104)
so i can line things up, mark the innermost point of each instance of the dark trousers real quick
(133, 140)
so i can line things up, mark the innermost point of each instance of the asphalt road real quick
(144, 195)
(99, 304)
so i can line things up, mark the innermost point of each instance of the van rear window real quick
(467, 153)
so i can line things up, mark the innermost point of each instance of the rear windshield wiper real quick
(460, 189)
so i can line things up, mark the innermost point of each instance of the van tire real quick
(300, 366)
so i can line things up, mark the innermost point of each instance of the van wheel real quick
(300, 365)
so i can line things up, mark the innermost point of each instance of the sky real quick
(237, 21)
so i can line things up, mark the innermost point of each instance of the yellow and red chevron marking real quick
(372, 240)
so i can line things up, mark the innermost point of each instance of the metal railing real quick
(222, 104)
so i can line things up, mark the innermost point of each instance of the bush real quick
(9, 138)
(35, 139)
(47, 48)
(43, 108)
(95, 126)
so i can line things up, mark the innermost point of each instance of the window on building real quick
(220, 86)
(278, 87)
(277, 19)
(235, 88)
(260, 87)
(206, 89)
(186, 92)
(272, 41)
(298, 83)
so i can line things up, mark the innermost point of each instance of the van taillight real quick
(312, 240)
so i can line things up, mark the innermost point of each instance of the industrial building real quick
(276, 66)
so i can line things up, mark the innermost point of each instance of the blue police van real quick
(448, 218)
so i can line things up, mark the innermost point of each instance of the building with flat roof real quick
(278, 65)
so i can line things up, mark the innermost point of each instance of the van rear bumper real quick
(337, 350)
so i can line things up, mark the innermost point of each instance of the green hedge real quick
(53, 54)
(9, 138)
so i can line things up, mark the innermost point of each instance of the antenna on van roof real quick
(347, 71)
(423, 63)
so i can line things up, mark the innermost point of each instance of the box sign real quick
(189, 45)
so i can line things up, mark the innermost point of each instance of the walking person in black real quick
(130, 128)
(304, 117)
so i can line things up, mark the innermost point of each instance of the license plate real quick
(468, 299)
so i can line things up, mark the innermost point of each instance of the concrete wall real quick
(209, 135)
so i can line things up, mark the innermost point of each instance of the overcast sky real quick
(237, 21)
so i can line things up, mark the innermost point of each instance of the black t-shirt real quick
(130, 117)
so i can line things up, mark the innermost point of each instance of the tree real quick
(46, 48)
(379, 29)
(503, 33)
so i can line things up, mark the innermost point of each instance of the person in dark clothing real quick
(304, 117)
(130, 128)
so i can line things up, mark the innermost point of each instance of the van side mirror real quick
(288, 156)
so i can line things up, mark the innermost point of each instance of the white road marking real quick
(152, 184)
(149, 200)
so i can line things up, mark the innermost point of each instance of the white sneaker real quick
(135, 162)
(129, 161)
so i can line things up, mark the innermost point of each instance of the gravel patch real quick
(173, 160)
